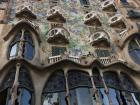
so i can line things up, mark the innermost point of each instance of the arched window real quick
(134, 49)
(28, 46)
(55, 90)
(25, 88)
(80, 88)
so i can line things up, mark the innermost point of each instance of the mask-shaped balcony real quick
(92, 19)
(108, 5)
(117, 21)
(55, 15)
(99, 39)
(58, 36)
(24, 10)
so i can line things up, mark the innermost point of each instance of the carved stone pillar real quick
(105, 86)
(67, 98)
(95, 91)
(14, 88)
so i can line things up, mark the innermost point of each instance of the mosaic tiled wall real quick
(74, 15)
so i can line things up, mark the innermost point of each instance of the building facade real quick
(70, 52)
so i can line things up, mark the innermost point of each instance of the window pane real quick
(14, 51)
(28, 51)
(113, 96)
(84, 2)
(58, 50)
(25, 97)
(102, 53)
(103, 96)
(81, 96)
(54, 99)
(27, 37)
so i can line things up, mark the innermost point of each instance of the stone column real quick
(67, 87)
(105, 86)
(95, 91)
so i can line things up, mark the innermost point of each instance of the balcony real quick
(58, 58)
(117, 21)
(108, 6)
(84, 61)
(25, 10)
(99, 38)
(58, 36)
(55, 15)
(92, 19)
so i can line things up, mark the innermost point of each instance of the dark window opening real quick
(102, 53)
(84, 2)
(134, 49)
(125, 2)
(58, 51)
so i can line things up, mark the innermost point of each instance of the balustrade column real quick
(105, 86)
(67, 88)
(95, 91)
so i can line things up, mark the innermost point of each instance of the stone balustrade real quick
(77, 59)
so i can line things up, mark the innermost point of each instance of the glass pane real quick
(84, 2)
(112, 80)
(102, 53)
(55, 83)
(25, 97)
(78, 79)
(14, 51)
(103, 96)
(27, 37)
(28, 51)
(135, 54)
(54, 99)
(58, 50)
(81, 96)
(113, 96)
(127, 83)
